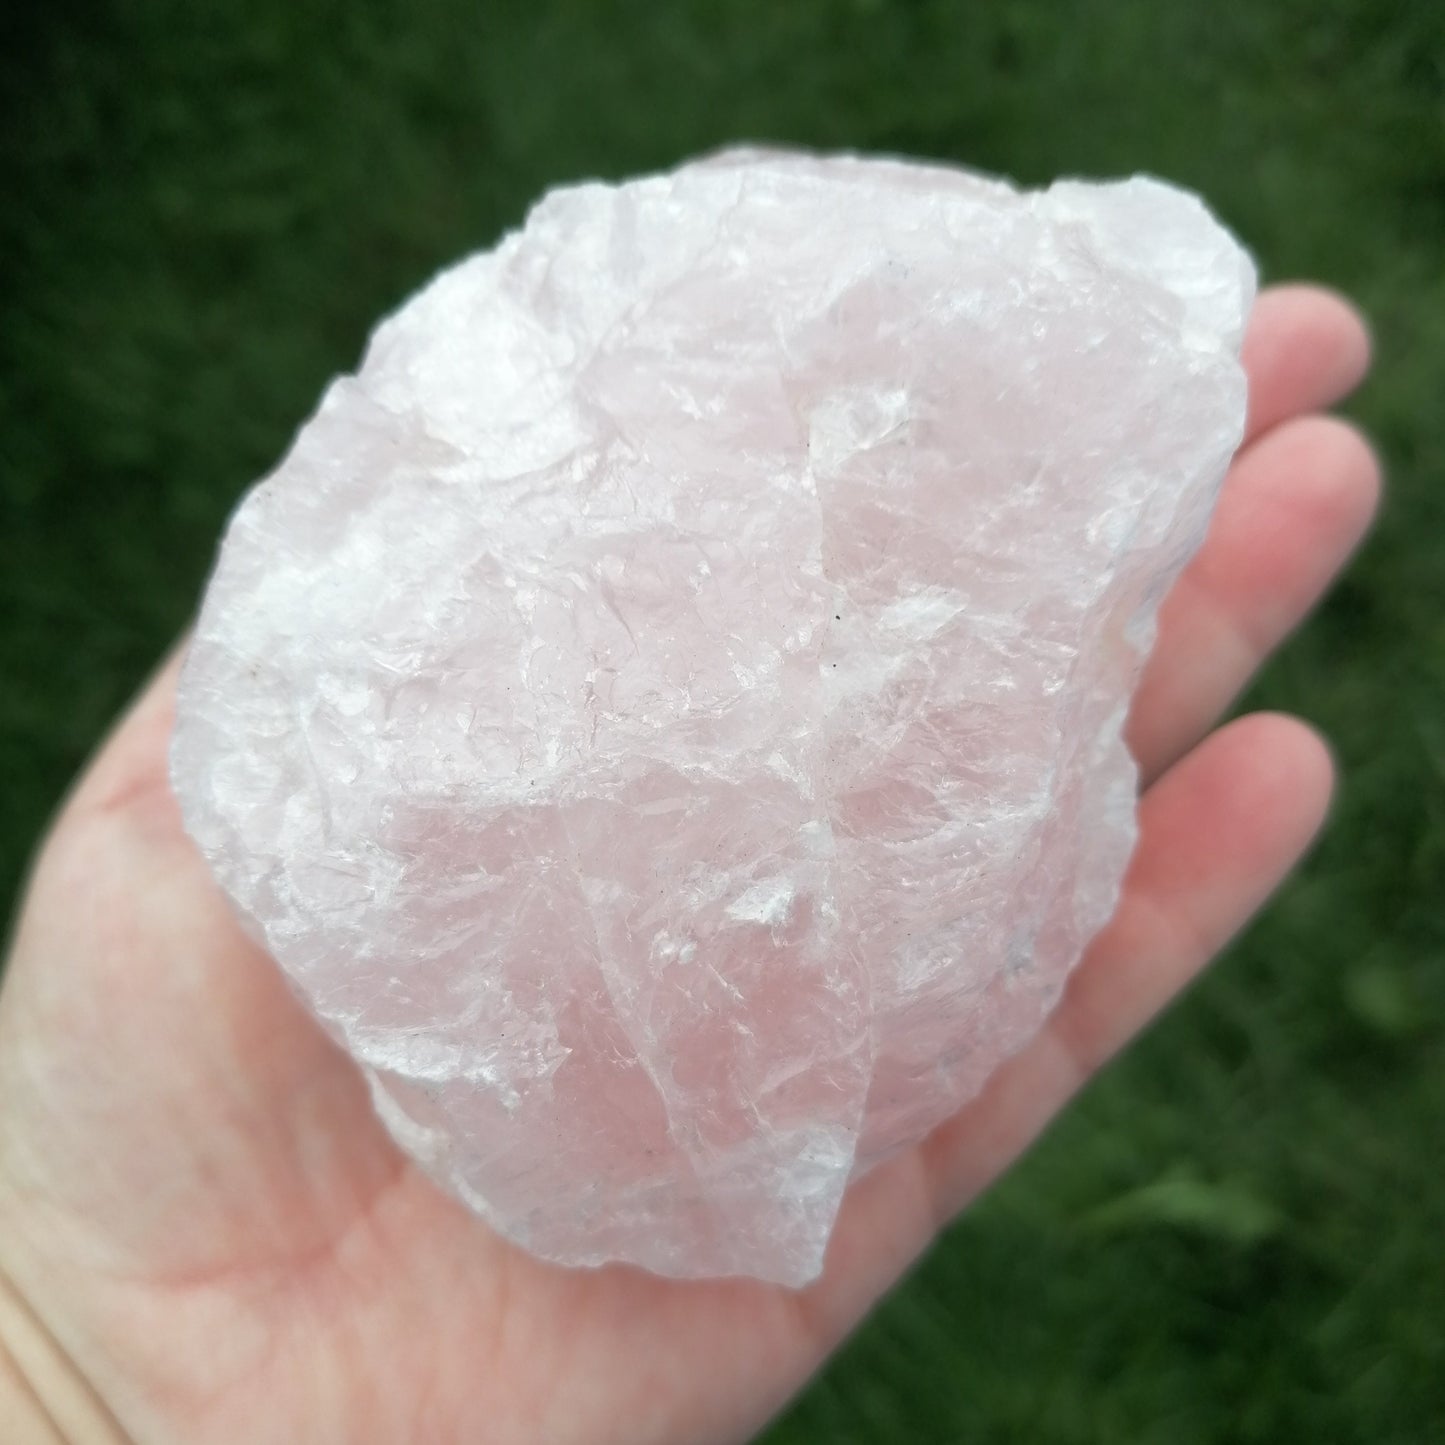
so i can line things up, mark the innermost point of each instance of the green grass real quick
(1239, 1232)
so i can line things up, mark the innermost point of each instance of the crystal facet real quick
(664, 714)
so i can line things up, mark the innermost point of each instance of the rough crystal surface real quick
(664, 713)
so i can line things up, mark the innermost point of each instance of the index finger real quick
(1305, 348)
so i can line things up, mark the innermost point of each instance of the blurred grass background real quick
(1239, 1233)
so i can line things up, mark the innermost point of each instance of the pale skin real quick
(205, 1235)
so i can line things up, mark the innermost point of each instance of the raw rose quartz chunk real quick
(664, 713)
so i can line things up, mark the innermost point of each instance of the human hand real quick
(206, 1235)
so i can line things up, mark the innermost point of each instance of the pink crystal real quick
(664, 713)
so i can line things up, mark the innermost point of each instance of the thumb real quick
(162, 1093)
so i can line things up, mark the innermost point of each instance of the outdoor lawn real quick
(1238, 1233)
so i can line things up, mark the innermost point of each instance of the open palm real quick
(200, 1216)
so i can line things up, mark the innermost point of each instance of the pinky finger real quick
(1218, 834)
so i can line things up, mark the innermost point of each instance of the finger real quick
(1295, 506)
(130, 767)
(1218, 833)
(1305, 348)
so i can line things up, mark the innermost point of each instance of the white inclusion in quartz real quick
(664, 713)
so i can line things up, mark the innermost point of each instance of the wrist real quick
(44, 1399)
(27, 1420)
